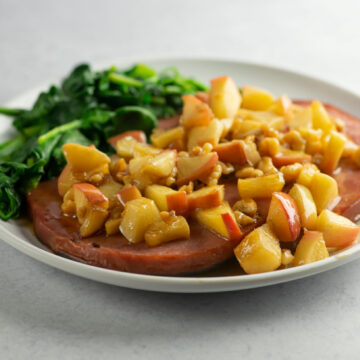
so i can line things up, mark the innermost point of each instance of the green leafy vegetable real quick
(87, 108)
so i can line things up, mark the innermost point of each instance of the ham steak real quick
(201, 251)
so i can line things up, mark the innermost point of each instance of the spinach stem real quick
(124, 80)
(59, 129)
(10, 112)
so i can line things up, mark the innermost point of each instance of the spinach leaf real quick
(87, 108)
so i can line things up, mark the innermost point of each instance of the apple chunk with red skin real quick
(195, 167)
(207, 197)
(283, 217)
(137, 135)
(338, 231)
(91, 208)
(167, 199)
(195, 112)
(288, 157)
(128, 193)
(224, 97)
(221, 220)
(238, 152)
(162, 164)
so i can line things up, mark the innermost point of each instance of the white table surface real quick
(48, 314)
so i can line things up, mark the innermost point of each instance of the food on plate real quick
(233, 173)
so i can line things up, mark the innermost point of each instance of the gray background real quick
(48, 314)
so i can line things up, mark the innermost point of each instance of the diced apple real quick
(202, 96)
(66, 180)
(224, 97)
(112, 226)
(310, 248)
(125, 147)
(168, 199)
(283, 217)
(163, 139)
(333, 152)
(207, 197)
(324, 190)
(288, 157)
(260, 187)
(91, 208)
(168, 229)
(138, 135)
(161, 165)
(338, 231)
(221, 220)
(200, 135)
(192, 168)
(282, 106)
(86, 159)
(238, 152)
(321, 119)
(256, 99)
(305, 204)
(138, 215)
(227, 124)
(259, 251)
(128, 193)
(243, 128)
(195, 112)
(109, 187)
(302, 119)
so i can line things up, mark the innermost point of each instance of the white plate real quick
(18, 234)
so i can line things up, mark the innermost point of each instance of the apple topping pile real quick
(277, 155)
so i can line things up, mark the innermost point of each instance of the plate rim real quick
(183, 283)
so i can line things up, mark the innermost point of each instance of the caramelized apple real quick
(138, 215)
(207, 197)
(259, 251)
(200, 135)
(311, 248)
(91, 208)
(324, 190)
(66, 180)
(192, 168)
(162, 139)
(333, 151)
(167, 229)
(255, 98)
(224, 97)
(168, 199)
(302, 119)
(221, 220)
(305, 204)
(195, 112)
(161, 165)
(338, 231)
(128, 193)
(137, 135)
(321, 119)
(238, 152)
(283, 217)
(260, 187)
(287, 157)
(86, 160)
